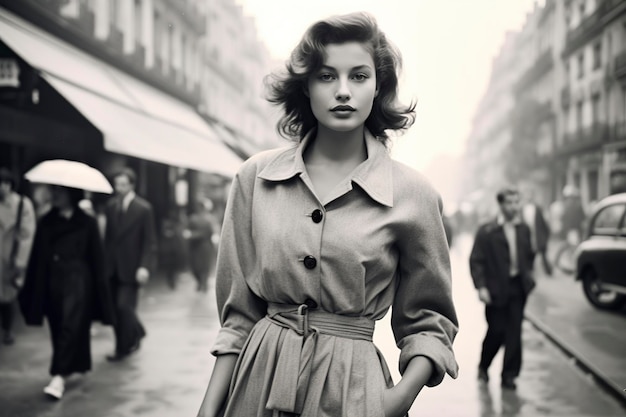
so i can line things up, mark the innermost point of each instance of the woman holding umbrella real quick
(65, 283)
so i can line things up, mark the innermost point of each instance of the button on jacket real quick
(377, 241)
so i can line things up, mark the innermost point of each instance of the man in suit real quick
(130, 245)
(501, 264)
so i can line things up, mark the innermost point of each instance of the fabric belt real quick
(295, 358)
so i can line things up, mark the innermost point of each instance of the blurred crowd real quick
(71, 258)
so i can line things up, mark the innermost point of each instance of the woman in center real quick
(321, 238)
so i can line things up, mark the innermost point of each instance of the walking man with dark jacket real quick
(130, 245)
(501, 264)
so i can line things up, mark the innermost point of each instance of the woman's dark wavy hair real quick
(288, 88)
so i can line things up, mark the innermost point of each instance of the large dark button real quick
(310, 303)
(310, 262)
(317, 215)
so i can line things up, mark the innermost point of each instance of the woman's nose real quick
(343, 92)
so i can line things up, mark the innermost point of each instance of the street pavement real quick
(168, 375)
(549, 385)
(594, 338)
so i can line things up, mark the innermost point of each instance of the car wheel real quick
(601, 298)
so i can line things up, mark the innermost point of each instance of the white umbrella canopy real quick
(69, 174)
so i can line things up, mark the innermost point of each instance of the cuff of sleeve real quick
(439, 353)
(227, 341)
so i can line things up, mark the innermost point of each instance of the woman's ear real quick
(376, 92)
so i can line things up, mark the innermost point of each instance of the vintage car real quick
(601, 256)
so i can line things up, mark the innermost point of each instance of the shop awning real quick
(134, 118)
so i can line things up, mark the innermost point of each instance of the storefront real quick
(59, 102)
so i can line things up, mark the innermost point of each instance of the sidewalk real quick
(595, 339)
(165, 378)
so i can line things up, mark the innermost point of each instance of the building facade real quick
(568, 121)
(172, 88)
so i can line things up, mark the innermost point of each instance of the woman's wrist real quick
(416, 375)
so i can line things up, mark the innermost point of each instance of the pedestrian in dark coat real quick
(65, 283)
(202, 250)
(130, 245)
(501, 264)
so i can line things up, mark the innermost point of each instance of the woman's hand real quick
(396, 402)
(218, 386)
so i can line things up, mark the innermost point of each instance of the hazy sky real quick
(447, 46)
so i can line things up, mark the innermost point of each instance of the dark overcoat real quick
(490, 260)
(130, 240)
(66, 250)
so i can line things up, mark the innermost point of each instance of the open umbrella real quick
(69, 174)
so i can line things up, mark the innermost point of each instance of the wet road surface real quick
(168, 376)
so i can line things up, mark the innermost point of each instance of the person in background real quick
(130, 246)
(573, 216)
(17, 229)
(532, 214)
(66, 284)
(42, 197)
(501, 265)
(202, 251)
(172, 254)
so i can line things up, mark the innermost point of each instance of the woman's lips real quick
(342, 108)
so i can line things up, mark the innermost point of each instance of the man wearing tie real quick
(501, 264)
(130, 245)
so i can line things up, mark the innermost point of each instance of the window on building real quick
(595, 109)
(183, 55)
(138, 15)
(581, 64)
(114, 10)
(157, 32)
(579, 116)
(169, 52)
(566, 122)
(597, 55)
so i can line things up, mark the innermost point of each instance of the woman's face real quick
(60, 197)
(342, 91)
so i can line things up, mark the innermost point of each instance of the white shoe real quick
(56, 387)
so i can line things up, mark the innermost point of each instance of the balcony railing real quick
(590, 26)
(542, 65)
(585, 138)
(620, 66)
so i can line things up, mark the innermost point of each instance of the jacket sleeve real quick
(478, 260)
(423, 315)
(238, 307)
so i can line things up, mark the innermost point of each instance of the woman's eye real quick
(326, 77)
(360, 77)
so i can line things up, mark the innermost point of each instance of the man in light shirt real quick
(501, 265)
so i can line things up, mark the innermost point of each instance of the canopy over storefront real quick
(134, 118)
